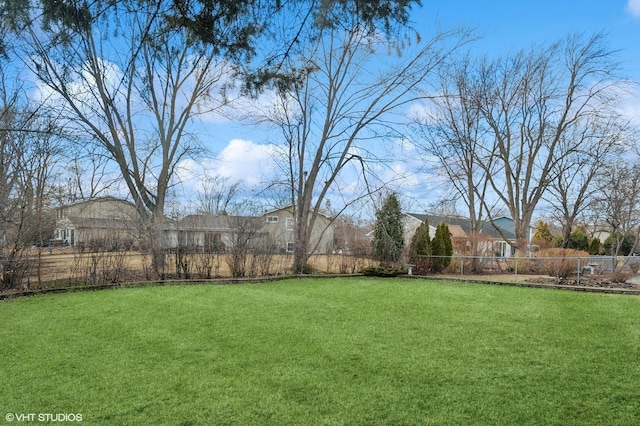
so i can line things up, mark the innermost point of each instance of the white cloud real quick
(188, 173)
(629, 104)
(246, 161)
(633, 7)
(240, 161)
(632, 111)
(419, 111)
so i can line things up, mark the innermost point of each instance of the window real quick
(503, 249)
(289, 224)
(272, 219)
(289, 247)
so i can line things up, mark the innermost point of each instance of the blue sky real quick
(244, 153)
(514, 24)
(507, 26)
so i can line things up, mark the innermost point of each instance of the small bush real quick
(620, 276)
(523, 265)
(381, 271)
(307, 269)
(423, 265)
(561, 263)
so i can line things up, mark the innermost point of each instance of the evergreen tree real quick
(543, 237)
(420, 248)
(441, 247)
(578, 239)
(388, 235)
(543, 231)
(594, 247)
(619, 245)
(420, 242)
(448, 243)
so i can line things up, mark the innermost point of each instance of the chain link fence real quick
(576, 268)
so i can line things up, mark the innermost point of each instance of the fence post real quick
(462, 265)
(516, 268)
(579, 268)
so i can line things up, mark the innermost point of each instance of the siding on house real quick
(279, 224)
(105, 219)
(203, 231)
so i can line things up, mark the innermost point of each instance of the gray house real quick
(109, 219)
(279, 224)
(104, 220)
(205, 231)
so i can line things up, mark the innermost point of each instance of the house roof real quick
(486, 227)
(208, 222)
(456, 231)
(107, 198)
(289, 208)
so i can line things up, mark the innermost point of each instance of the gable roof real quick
(456, 231)
(289, 208)
(105, 199)
(100, 212)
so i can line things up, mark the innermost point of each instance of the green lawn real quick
(324, 351)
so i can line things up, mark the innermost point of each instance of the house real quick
(273, 230)
(106, 220)
(109, 220)
(490, 240)
(212, 233)
(279, 225)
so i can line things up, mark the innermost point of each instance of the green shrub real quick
(388, 235)
(381, 271)
(442, 247)
(420, 248)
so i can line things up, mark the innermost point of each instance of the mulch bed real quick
(587, 281)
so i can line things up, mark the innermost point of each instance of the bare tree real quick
(245, 225)
(592, 146)
(532, 105)
(29, 151)
(86, 175)
(336, 118)
(618, 203)
(216, 195)
(451, 130)
(134, 90)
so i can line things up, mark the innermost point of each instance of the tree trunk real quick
(157, 241)
(301, 242)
